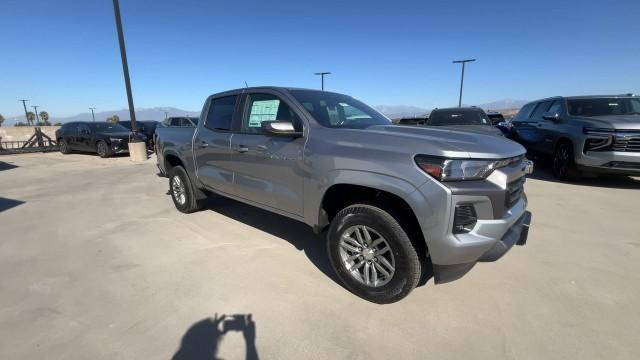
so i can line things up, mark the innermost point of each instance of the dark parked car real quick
(181, 121)
(583, 134)
(103, 138)
(147, 127)
(463, 118)
(415, 121)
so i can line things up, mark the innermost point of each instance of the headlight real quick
(597, 131)
(598, 139)
(113, 140)
(445, 169)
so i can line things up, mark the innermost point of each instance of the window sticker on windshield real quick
(263, 110)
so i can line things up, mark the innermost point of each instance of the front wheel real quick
(64, 146)
(372, 255)
(563, 162)
(102, 149)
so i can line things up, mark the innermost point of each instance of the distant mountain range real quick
(155, 113)
(158, 113)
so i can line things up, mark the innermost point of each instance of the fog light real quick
(465, 218)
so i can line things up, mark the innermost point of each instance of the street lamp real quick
(24, 103)
(137, 149)
(322, 74)
(93, 116)
(462, 77)
(35, 110)
(125, 65)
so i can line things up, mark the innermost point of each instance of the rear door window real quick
(221, 113)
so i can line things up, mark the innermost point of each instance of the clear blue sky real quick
(64, 55)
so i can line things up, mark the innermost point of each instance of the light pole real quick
(35, 110)
(322, 74)
(93, 116)
(166, 115)
(24, 103)
(462, 77)
(125, 66)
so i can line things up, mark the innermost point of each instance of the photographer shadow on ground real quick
(203, 338)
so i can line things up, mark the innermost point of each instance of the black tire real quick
(189, 204)
(64, 146)
(564, 167)
(103, 149)
(407, 264)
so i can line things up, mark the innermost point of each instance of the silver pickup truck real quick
(396, 202)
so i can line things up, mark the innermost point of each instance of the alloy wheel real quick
(178, 190)
(367, 256)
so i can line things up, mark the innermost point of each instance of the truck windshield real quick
(339, 111)
(107, 127)
(604, 106)
(458, 117)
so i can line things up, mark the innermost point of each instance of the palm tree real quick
(1, 119)
(31, 116)
(114, 119)
(44, 116)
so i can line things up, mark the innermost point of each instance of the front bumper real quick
(119, 147)
(610, 162)
(516, 234)
(501, 220)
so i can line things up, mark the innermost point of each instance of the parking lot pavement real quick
(95, 263)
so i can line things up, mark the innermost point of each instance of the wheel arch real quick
(388, 193)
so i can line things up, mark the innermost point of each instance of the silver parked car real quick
(395, 201)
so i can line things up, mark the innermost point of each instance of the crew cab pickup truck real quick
(396, 202)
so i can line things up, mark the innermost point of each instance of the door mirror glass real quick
(280, 128)
(551, 115)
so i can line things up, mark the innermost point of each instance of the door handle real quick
(203, 144)
(242, 149)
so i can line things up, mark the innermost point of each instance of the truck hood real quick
(618, 122)
(443, 141)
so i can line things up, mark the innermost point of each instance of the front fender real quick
(315, 192)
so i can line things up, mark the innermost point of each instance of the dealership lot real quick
(96, 263)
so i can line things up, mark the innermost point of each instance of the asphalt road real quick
(95, 263)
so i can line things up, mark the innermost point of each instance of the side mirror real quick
(552, 116)
(280, 128)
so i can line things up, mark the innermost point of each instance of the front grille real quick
(626, 143)
(515, 189)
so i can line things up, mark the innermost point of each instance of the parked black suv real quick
(583, 134)
(103, 138)
(146, 127)
(463, 118)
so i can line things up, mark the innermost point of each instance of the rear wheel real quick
(563, 162)
(372, 255)
(102, 149)
(181, 191)
(64, 146)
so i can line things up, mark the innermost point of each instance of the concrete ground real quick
(95, 263)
